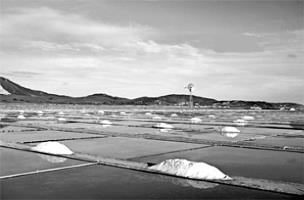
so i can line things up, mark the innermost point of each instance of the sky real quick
(230, 50)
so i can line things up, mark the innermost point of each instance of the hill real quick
(11, 92)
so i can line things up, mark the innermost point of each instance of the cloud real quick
(27, 74)
(93, 56)
(50, 29)
(252, 35)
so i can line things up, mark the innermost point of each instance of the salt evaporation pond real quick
(272, 165)
(121, 147)
(16, 161)
(36, 136)
(108, 182)
(102, 182)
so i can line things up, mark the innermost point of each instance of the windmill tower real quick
(190, 87)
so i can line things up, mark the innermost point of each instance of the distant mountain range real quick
(11, 92)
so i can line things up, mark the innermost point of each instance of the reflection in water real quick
(106, 125)
(298, 124)
(177, 181)
(192, 183)
(230, 135)
(240, 122)
(164, 130)
(52, 159)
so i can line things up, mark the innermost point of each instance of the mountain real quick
(14, 88)
(11, 92)
(172, 99)
(18, 93)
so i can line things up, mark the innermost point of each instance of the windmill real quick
(190, 87)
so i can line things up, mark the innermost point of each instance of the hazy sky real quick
(250, 50)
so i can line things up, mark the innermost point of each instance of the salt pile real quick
(61, 113)
(190, 169)
(21, 116)
(246, 117)
(211, 116)
(174, 115)
(40, 113)
(195, 120)
(164, 126)
(230, 132)
(53, 148)
(240, 122)
(292, 109)
(148, 114)
(61, 120)
(105, 122)
(123, 113)
(230, 129)
(101, 112)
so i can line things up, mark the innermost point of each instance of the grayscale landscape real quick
(151, 99)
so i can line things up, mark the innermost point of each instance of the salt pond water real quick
(101, 182)
(135, 135)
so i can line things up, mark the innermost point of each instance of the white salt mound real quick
(240, 122)
(211, 116)
(105, 122)
(52, 147)
(123, 113)
(148, 114)
(164, 125)
(39, 112)
(61, 113)
(21, 117)
(174, 115)
(189, 169)
(230, 129)
(101, 112)
(61, 119)
(195, 120)
(292, 109)
(246, 117)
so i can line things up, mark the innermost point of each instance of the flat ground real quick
(269, 146)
